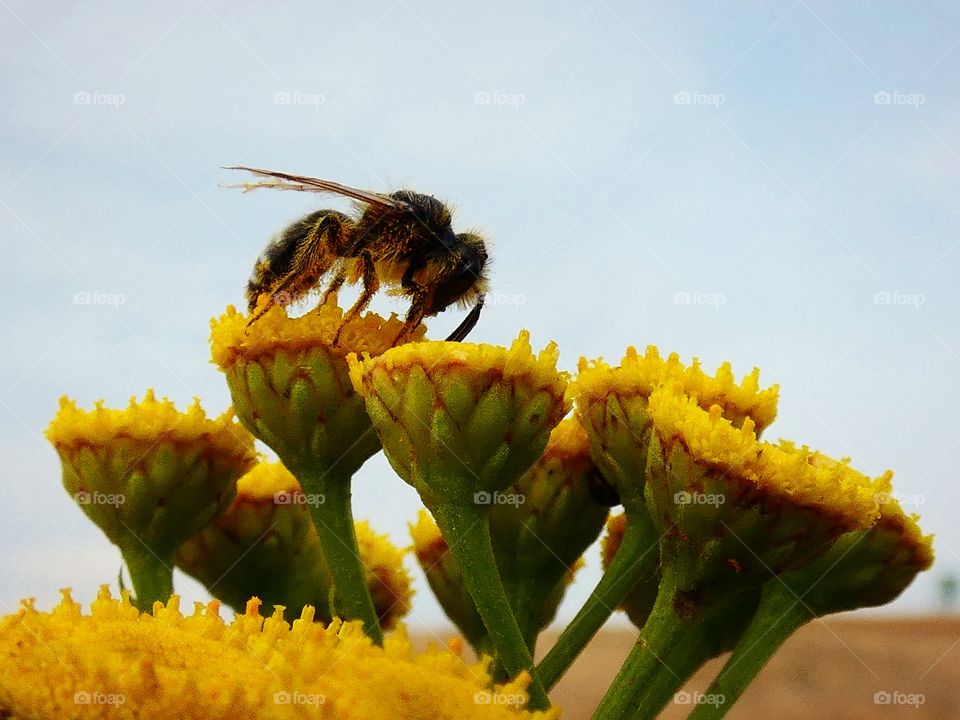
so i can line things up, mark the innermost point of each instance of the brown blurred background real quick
(831, 669)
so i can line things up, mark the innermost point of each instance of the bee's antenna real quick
(469, 322)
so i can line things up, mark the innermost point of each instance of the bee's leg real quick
(371, 284)
(335, 284)
(415, 315)
(259, 313)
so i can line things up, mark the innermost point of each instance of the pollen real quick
(232, 338)
(636, 375)
(784, 471)
(639, 375)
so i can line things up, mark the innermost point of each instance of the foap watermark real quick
(296, 97)
(904, 499)
(498, 298)
(499, 498)
(285, 497)
(84, 497)
(685, 497)
(82, 297)
(696, 97)
(95, 97)
(698, 698)
(98, 697)
(510, 699)
(884, 297)
(514, 100)
(684, 297)
(895, 697)
(298, 698)
(896, 97)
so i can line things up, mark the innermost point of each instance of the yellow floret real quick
(640, 375)
(636, 374)
(786, 471)
(147, 420)
(231, 337)
(120, 663)
(568, 439)
(265, 480)
(517, 362)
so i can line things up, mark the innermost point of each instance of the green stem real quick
(779, 615)
(669, 650)
(467, 531)
(152, 578)
(623, 573)
(328, 496)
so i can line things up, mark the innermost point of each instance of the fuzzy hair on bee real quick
(404, 241)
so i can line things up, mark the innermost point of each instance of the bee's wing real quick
(285, 181)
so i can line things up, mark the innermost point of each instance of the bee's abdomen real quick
(296, 258)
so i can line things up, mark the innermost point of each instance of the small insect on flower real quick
(404, 240)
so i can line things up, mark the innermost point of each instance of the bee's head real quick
(462, 277)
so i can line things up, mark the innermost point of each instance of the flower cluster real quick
(150, 477)
(116, 662)
(726, 541)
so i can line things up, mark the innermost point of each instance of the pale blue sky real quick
(785, 167)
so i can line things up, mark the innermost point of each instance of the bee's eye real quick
(454, 286)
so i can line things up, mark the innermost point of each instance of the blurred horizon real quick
(774, 184)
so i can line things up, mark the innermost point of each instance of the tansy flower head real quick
(865, 568)
(387, 578)
(289, 382)
(150, 477)
(291, 388)
(265, 545)
(461, 423)
(612, 404)
(752, 507)
(60, 664)
(462, 418)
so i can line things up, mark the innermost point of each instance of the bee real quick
(404, 240)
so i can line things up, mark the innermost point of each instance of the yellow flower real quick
(781, 471)
(864, 568)
(743, 507)
(290, 387)
(478, 413)
(389, 581)
(612, 404)
(265, 545)
(640, 375)
(116, 663)
(150, 477)
(461, 423)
